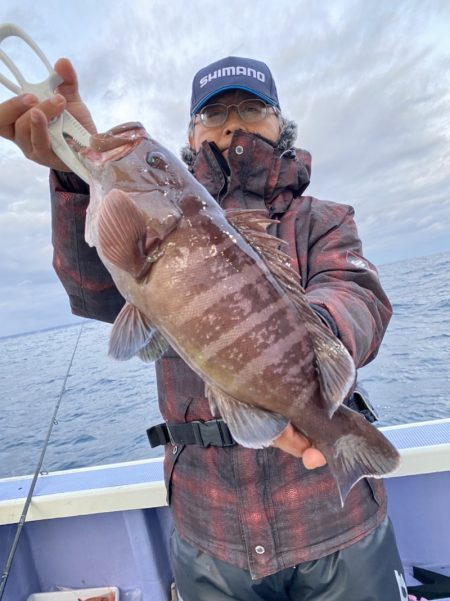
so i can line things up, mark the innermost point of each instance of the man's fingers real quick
(313, 458)
(32, 133)
(42, 114)
(40, 149)
(13, 109)
(24, 120)
(291, 441)
(69, 87)
(39, 138)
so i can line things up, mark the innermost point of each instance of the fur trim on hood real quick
(288, 135)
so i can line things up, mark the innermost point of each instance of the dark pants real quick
(369, 570)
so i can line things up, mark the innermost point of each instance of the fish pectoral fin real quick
(360, 451)
(335, 366)
(250, 426)
(125, 238)
(133, 334)
(156, 346)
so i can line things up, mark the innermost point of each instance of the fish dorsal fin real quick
(251, 427)
(336, 369)
(252, 225)
(133, 334)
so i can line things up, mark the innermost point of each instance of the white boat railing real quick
(424, 448)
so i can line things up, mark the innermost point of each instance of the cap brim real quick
(204, 100)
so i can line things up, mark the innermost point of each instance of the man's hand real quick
(24, 120)
(291, 441)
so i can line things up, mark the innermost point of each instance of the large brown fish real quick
(217, 287)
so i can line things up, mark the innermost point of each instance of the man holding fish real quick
(258, 365)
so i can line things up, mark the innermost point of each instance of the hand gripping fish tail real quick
(355, 449)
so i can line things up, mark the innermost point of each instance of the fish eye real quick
(157, 160)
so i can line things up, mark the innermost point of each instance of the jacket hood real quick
(257, 171)
(288, 135)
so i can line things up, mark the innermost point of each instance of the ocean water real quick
(108, 405)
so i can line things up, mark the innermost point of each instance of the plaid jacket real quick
(257, 509)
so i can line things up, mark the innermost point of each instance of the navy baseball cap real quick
(233, 73)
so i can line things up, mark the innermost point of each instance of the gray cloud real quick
(367, 83)
(24, 219)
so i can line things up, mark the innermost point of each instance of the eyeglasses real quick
(251, 110)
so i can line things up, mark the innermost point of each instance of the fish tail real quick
(359, 451)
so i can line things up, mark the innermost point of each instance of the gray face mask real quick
(288, 135)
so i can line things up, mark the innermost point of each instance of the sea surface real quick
(107, 405)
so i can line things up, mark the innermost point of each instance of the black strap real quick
(214, 432)
(359, 402)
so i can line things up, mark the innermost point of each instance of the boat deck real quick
(118, 511)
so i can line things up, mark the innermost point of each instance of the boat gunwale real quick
(140, 484)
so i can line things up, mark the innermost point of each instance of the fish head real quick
(127, 158)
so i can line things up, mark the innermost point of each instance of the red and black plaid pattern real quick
(260, 510)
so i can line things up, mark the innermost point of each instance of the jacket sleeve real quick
(90, 288)
(344, 284)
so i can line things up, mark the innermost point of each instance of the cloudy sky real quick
(367, 82)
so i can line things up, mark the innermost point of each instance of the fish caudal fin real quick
(360, 450)
(124, 237)
(335, 367)
(251, 427)
(133, 334)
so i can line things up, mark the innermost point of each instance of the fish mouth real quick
(112, 145)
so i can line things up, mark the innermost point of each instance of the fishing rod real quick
(37, 471)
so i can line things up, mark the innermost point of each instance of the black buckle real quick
(213, 432)
(158, 435)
